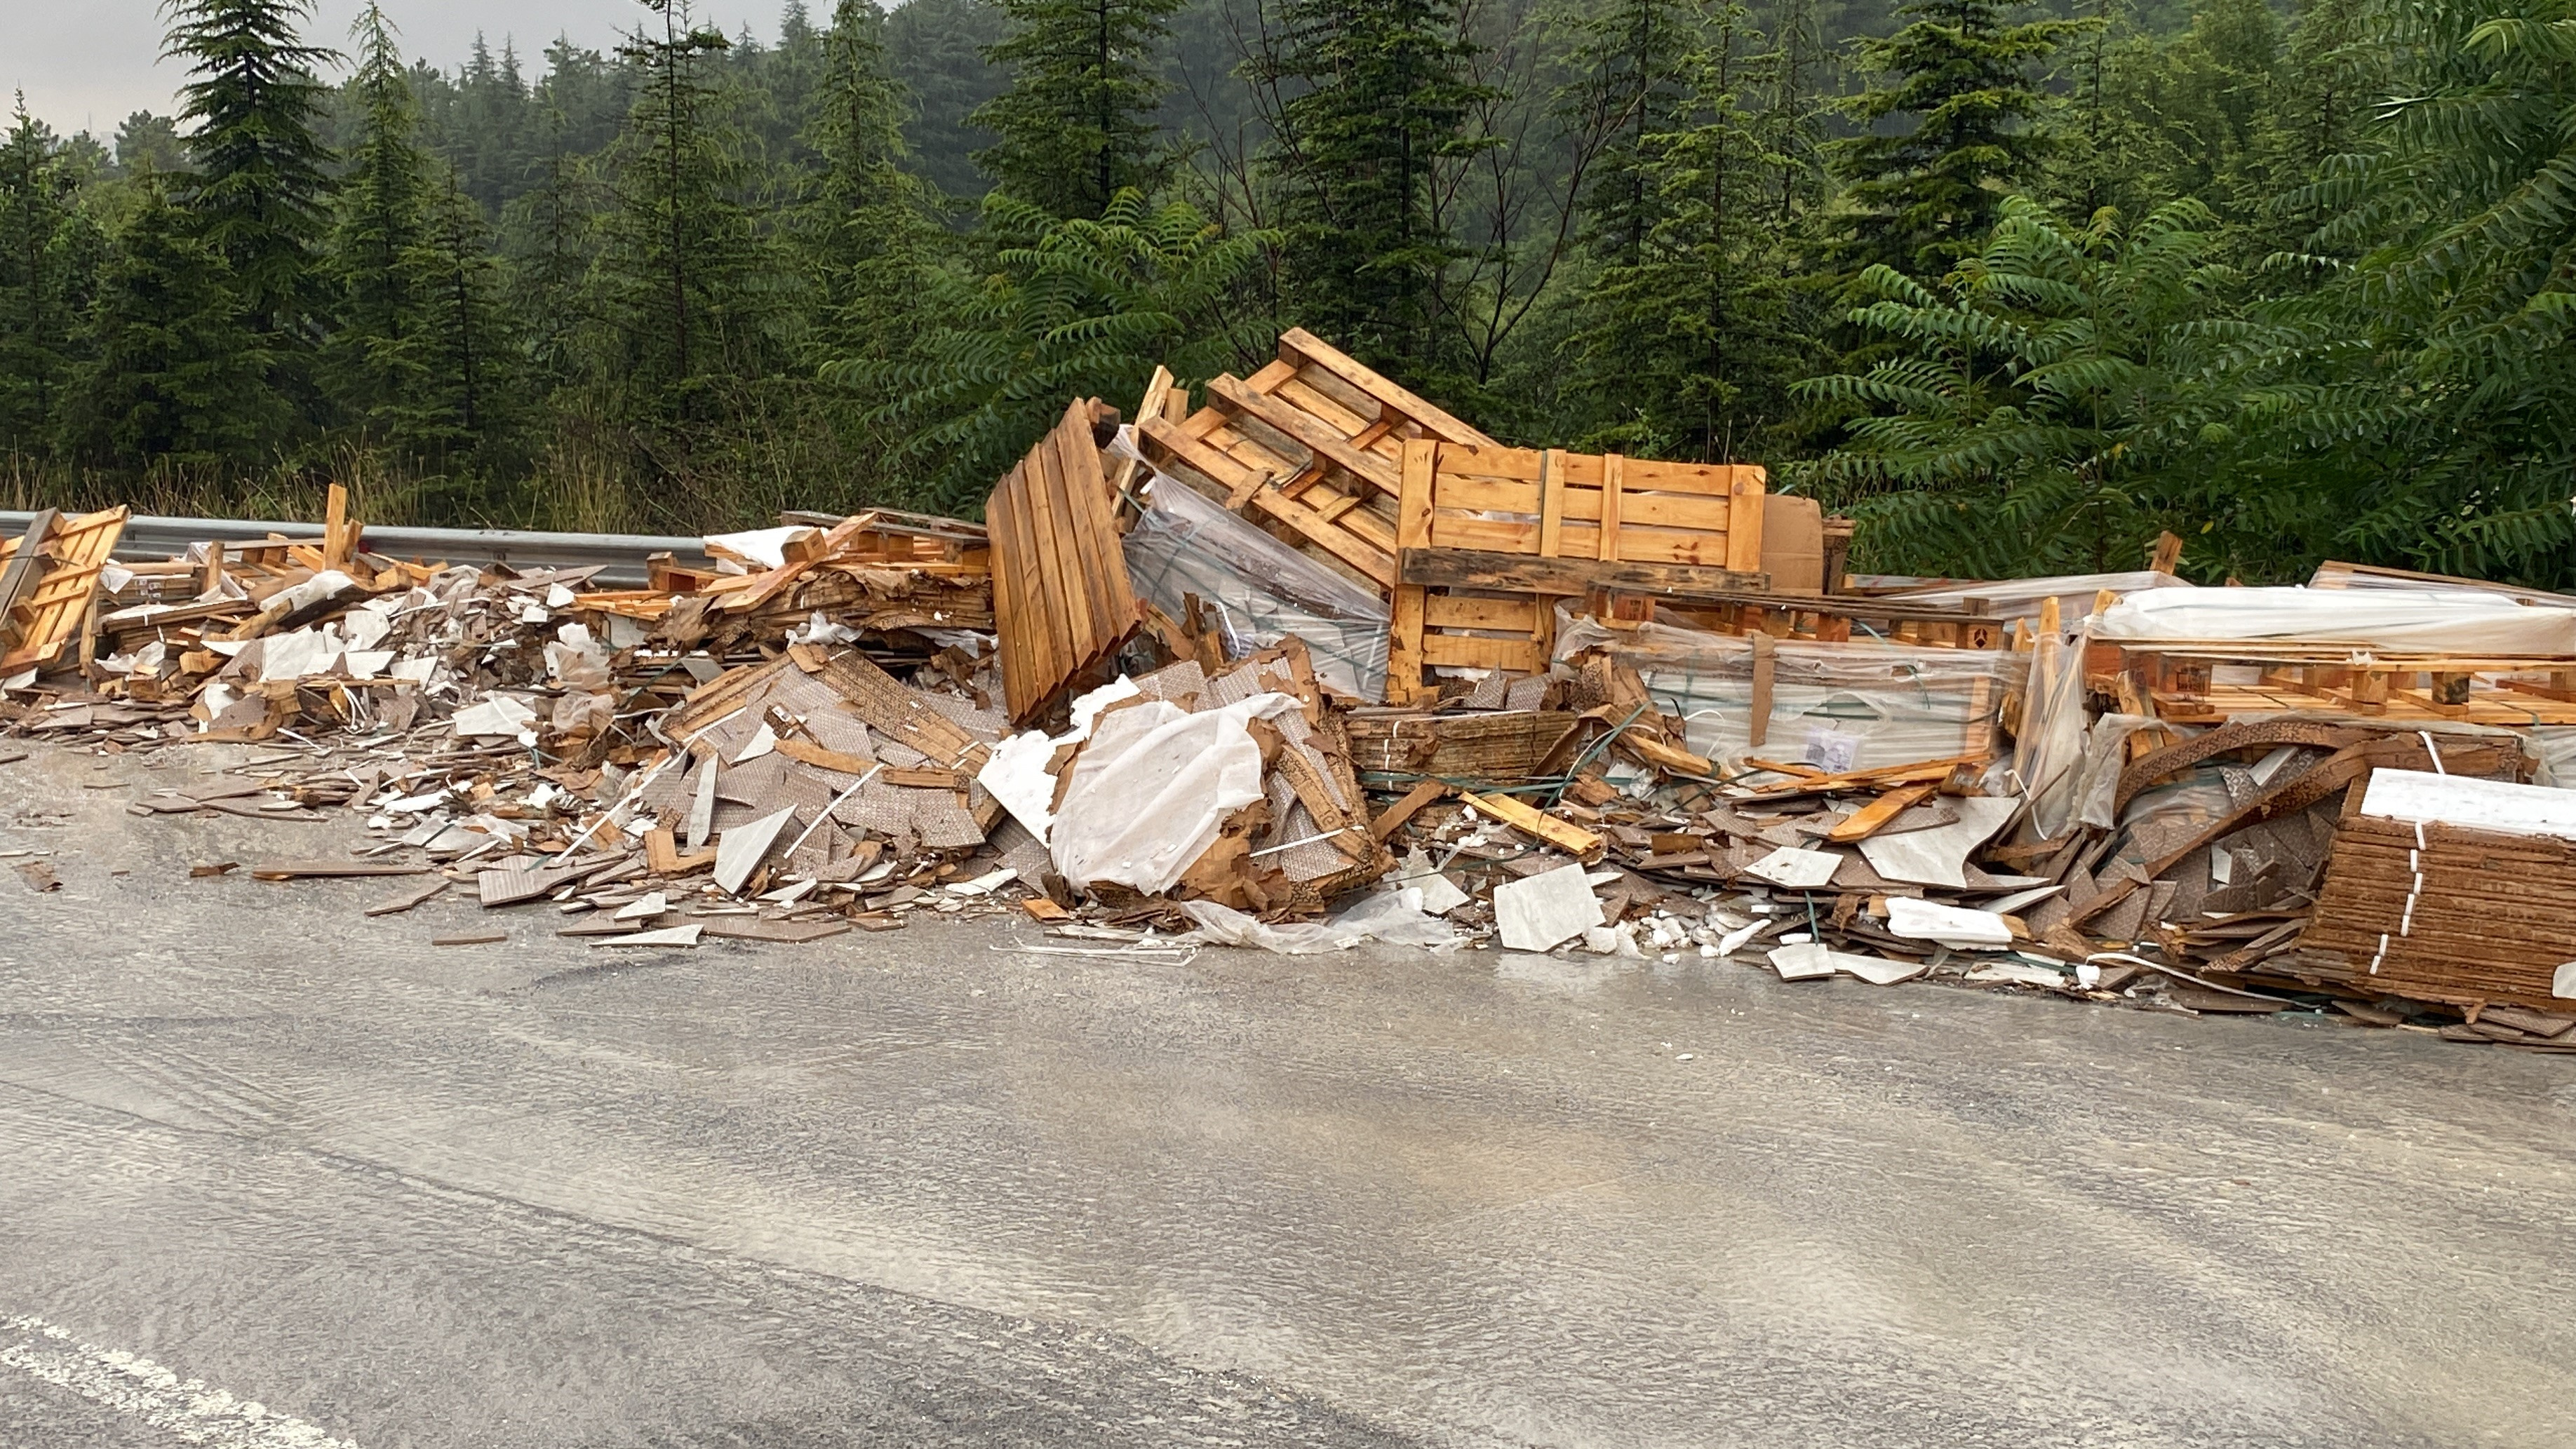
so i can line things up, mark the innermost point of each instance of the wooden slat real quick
(1412, 529)
(1551, 503)
(1451, 530)
(26, 556)
(1330, 535)
(1476, 651)
(1297, 391)
(1062, 600)
(1169, 442)
(1466, 611)
(1744, 531)
(1325, 443)
(1569, 577)
(1115, 604)
(1607, 542)
(1305, 347)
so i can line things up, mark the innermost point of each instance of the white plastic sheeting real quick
(1395, 917)
(2021, 598)
(2499, 805)
(1852, 706)
(1263, 590)
(2419, 621)
(1152, 789)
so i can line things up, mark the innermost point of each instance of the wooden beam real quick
(1469, 568)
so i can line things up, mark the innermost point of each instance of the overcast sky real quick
(85, 64)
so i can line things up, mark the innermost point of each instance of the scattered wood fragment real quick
(1565, 835)
(329, 869)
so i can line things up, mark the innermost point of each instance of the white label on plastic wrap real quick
(1831, 750)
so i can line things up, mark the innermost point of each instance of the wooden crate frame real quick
(51, 583)
(1488, 538)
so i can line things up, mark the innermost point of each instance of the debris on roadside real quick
(1318, 663)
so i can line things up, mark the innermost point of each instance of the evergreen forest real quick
(2020, 283)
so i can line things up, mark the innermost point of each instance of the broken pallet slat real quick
(1565, 835)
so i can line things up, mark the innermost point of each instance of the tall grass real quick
(778, 449)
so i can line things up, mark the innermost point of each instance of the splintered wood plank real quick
(1406, 808)
(1565, 835)
(1299, 344)
(1872, 817)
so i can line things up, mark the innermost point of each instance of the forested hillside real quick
(2020, 285)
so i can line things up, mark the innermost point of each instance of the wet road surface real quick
(922, 1189)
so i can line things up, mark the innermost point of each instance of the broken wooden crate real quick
(1313, 443)
(1490, 538)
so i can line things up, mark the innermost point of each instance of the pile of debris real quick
(1317, 662)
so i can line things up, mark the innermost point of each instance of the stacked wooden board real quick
(1061, 596)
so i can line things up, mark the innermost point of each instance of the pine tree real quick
(1628, 57)
(259, 189)
(685, 281)
(175, 371)
(1371, 101)
(549, 237)
(464, 355)
(372, 362)
(1077, 125)
(146, 142)
(1687, 349)
(1961, 82)
(869, 229)
(40, 293)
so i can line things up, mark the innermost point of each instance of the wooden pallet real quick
(2185, 683)
(1490, 537)
(1313, 444)
(1062, 601)
(48, 580)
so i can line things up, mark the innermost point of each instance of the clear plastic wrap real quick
(1852, 706)
(1265, 590)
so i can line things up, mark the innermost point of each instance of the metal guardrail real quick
(620, 556)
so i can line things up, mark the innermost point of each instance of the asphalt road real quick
(922, 1189)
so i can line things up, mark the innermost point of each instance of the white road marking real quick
(136, 1385)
